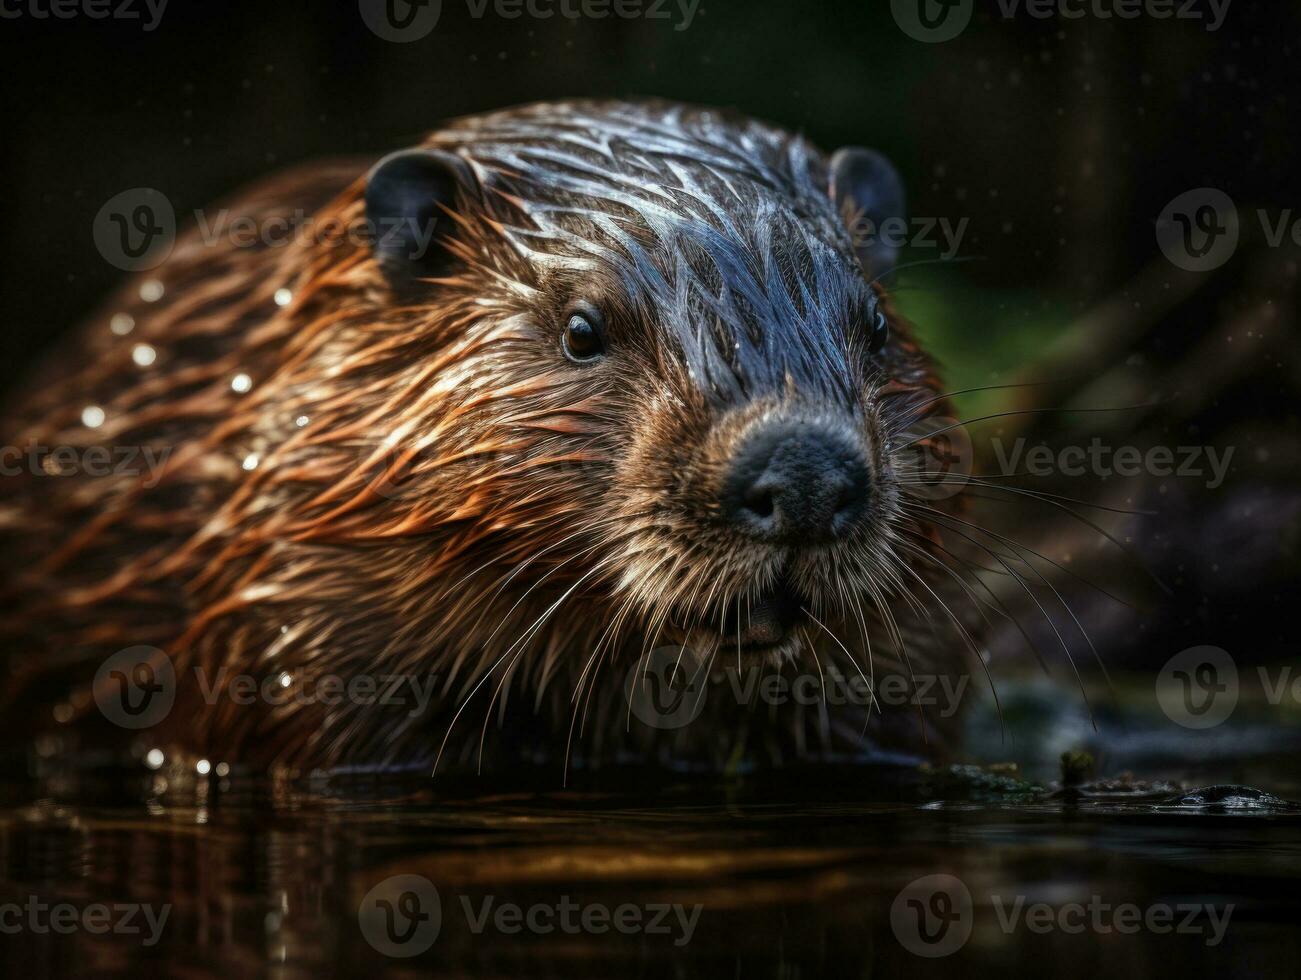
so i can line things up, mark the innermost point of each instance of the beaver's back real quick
(98, 490)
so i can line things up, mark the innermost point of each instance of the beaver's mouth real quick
(764, 627)
(767, 622)
(767, 626)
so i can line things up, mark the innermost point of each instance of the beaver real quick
(601, 378)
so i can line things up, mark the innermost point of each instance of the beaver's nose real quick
(795, 481)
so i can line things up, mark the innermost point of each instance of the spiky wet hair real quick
(417, 482)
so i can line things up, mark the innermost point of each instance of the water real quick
(793, 876)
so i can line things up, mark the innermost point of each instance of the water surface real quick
(791, 876)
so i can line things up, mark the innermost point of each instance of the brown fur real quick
(456, 483)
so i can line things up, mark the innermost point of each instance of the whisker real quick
(967, 391)
(1047, 618)
(1065, 605)
(1018, 411)
(466, 700)
(1043, 495)
(998, 603)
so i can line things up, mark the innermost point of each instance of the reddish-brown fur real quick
(454, 483)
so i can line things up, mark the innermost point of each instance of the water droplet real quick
(151, 290)
(283, 296)
(241, 383)
(203, 767)
(143, 355)
(154, 758)
(122, 324)
(92, 416)
(251, 461)
(286, 680)
(301, 421)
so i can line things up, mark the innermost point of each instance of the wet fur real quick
(462, 500)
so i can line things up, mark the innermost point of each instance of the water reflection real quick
(684, 881)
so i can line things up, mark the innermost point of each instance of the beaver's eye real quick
(880, 332)
(582, 339)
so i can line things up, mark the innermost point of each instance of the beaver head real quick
(670, 367)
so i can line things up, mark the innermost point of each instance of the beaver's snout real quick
(796, 481)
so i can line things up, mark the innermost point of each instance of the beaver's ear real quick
(869, 194)
(409, 195)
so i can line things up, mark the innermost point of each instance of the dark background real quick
(1060, 140)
